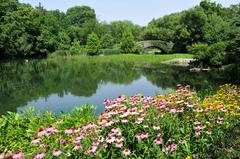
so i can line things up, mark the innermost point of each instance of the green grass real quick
(129, 58)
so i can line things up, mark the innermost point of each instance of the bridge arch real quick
(165, 47)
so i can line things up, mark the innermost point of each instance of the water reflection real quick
(61, 84)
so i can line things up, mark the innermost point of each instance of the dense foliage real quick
(209, 31)
(27, 31)
(176, 125)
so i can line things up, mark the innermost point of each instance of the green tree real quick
(63, 41)
(93, 44)
(107, 41)
(216, 29)
(210, 7)
(80, 14)
(14, 38)
(205, 54)
(76, 47)
(117, 29)
(194, 21)
(7, 6)
(46, 42)
(128, 44)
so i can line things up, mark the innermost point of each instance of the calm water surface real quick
(62, 84)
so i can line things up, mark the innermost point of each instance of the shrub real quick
(214, 54)
(217, 53)
(76, 48)
(200, 51)
(93, 44)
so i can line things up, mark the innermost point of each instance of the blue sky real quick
(138, 11)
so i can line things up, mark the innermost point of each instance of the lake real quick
(62, 84)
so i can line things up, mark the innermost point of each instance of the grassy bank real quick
(176, 125)
(129, 58)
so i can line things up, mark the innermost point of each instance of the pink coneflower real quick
(77, 147)
(197, 123)
(156, 127)
(37, 140)
(103, 122)
(171, 148)
(110, 139)
(68, 131)
(209, 132)
(124, 121)
(144, 135)
(42, 145)
(105, 145)
(80, 137)
(180, 110)
(95, 143)
(197, 133)
(119, 144)
(110, 123)
(179, 85)
(158, 141)
(190, 105)
(18, 155)
(92, 149)
(138, 136)
(41, 132)
(173, 110)
(161, 106)
(201, 127)
(119, 139)
(57, 153)
(140, 119)
(125, 114)
(145, 126)
(115, 130)
(223, 109)
(219, 121)
(39, 156)
(198, 110)
(126, 152)
(100, 139)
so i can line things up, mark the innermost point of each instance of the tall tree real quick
(93, 44)
(80, 14)
(128, 43)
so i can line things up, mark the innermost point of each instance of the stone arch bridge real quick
(165, 47)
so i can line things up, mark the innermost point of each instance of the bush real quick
(76, 48)
(200, 51)
(214, 54)
(217, 52)
(93, 45)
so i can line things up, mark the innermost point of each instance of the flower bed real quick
(177, 125)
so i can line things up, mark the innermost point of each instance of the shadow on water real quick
(61, 84)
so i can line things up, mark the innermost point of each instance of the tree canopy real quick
(28, 31)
